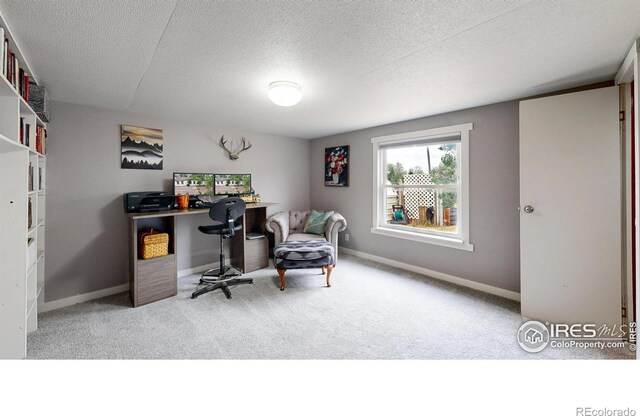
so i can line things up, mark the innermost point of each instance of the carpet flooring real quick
(372, 311)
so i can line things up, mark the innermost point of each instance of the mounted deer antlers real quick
(233, 155)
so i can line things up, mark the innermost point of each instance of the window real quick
(421, 186)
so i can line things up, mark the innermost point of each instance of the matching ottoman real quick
(303, 255)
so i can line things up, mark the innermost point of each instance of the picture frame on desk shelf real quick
(141, 148)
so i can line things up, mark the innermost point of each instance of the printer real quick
(148, 201)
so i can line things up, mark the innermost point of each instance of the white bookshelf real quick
(22, 248)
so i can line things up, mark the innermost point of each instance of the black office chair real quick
(224, 213)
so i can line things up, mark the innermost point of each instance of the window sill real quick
(424, 238)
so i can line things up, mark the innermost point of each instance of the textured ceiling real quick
(360, 63)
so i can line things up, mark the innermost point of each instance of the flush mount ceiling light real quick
(285, 93)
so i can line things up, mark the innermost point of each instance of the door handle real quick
(528, 209)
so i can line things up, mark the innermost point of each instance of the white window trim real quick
(461, 242)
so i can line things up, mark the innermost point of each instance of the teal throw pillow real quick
(317, 222)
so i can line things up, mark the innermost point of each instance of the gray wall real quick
(494, 189)
(87, 246)
(86, 240)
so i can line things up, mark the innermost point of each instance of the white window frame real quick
(460, 241)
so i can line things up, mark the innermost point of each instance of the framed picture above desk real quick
(157, 278)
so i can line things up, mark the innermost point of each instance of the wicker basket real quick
(153, 244)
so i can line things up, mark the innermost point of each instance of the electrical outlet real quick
(346, 237)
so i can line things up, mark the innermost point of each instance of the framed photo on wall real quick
(141, 148)
(336, 166)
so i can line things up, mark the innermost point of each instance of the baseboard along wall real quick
(85, 297)
(436, 275)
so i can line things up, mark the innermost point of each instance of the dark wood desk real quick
(155, 279)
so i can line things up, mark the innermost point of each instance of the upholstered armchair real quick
(289, 226)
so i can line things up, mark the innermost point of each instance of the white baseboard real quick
(85, 297)
(436, 275)
(72, 300)
(198, 269)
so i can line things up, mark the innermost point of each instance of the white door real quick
(570, 179)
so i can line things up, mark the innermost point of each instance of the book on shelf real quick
(11, 70)
(40, 179)
(27, 135)
(23, 84)
(30, 180)
(14, 69)
(9, 66)
(3, 52)
(41, 140)
(5, 58)
(29, 215)
(25, 87)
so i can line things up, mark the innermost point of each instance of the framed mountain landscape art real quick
(141, 148)
(336, 166)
